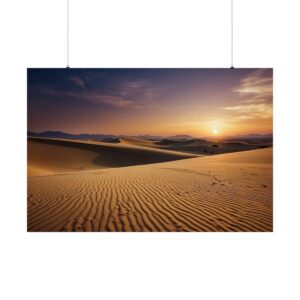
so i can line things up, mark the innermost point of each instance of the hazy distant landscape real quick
(150, 167)
(181, 143)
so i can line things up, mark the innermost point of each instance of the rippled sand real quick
(226, 192)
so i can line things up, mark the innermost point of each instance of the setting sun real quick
(215, 131)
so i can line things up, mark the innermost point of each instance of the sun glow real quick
(215, 131)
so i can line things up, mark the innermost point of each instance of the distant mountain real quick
(184, 137)
(64, 135)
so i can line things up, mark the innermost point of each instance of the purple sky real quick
(199, 102)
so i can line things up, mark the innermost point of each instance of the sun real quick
(215, 131)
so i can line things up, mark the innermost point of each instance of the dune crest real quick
(50, 156)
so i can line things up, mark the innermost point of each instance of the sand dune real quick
(50, 156)
(138, 142)
(197, 146)
(227, 192)
(203, 147)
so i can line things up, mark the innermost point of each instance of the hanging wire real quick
(68, 34)
(232, 67)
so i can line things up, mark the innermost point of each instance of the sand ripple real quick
(230, 192)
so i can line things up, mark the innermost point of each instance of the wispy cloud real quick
(78, 81)
(250, 111)
(257, 87)
(143, 90)
(102, 98)
(254, 94)
(93, 97)
(134, 84)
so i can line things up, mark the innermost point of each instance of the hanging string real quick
(68, 34)
(232, 67)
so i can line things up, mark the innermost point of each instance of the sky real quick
(164, 102)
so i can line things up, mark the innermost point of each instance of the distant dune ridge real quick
(99, 136)
(132, 184)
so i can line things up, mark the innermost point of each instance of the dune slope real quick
(228, 192)
(51, 156)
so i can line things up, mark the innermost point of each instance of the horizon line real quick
(136, 135)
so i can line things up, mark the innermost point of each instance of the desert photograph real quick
(150, 150)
